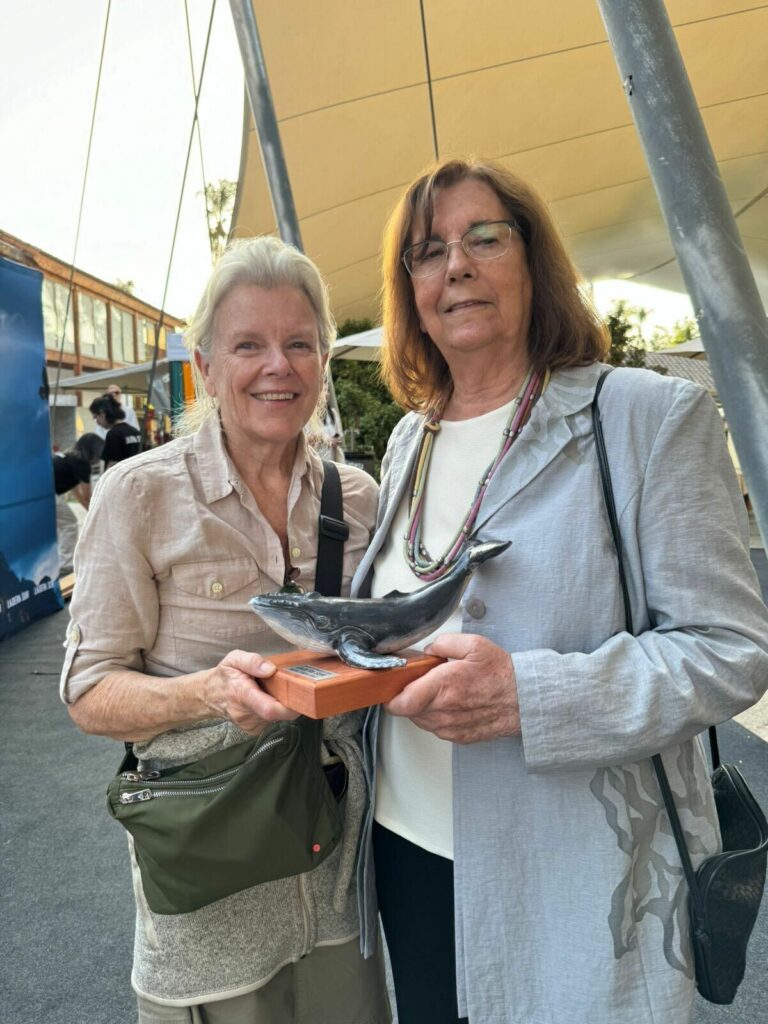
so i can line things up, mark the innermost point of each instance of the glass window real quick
(141, 340)
(54, 311)
(148, 329)
(122, 335)
(129, 345)
(100, 328)
(116, 326)
(86, 332)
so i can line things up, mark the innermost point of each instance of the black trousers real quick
(415, 890)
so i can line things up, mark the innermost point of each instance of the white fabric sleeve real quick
(703, 655)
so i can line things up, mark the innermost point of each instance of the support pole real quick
(263, 110)
(701, 225)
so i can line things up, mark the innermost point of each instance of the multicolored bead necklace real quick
(418, 558)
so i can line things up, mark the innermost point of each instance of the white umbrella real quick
(364, 345)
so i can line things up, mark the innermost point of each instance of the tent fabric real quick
(534, 86)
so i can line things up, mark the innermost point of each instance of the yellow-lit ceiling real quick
(532, 85)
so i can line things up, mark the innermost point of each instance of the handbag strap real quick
(658, 764)
(610, 504)
(332, 533)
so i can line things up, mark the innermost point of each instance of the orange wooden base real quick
(320, 685)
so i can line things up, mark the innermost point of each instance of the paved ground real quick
(65, 944)
(66, 940)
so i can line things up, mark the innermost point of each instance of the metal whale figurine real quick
(365, 631)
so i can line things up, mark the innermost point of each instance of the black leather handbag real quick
(725, 891)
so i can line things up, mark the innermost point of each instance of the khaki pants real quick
(332, 985)
(67, 529)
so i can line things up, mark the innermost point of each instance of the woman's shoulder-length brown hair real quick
(565, 329)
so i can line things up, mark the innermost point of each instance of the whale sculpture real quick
(365, 631)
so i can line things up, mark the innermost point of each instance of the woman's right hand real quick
(233, 692)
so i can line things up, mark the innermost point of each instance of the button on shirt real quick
(164, 589)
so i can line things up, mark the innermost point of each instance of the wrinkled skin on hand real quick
(234, 692)
(469, 699)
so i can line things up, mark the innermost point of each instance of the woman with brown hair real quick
(523, 863)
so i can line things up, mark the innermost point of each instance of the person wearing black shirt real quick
(122, 440)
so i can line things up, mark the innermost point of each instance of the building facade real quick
(89, 325)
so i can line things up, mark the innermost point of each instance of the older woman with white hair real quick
(167, 659)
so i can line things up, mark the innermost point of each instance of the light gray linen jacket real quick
(570, 903)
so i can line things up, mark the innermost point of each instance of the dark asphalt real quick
(67, 913)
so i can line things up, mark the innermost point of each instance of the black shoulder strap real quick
(610, 505)
(658, 764)
(330, 554)
(333, 532)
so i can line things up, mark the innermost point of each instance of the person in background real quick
(72, 473)
(122, 441)
(130, 415)
(333, 437)
(523, 858)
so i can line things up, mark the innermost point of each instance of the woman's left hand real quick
(472, 697)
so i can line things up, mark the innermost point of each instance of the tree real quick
(219, 205)
(624, 323)
(365, 405)
(125, 286)
(625, 326)
(680, 332)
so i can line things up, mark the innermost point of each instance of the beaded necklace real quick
(418, 558)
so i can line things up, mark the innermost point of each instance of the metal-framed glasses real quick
(485, 241)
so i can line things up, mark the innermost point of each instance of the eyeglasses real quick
(485, 241)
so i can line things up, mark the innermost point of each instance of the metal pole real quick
(701, 225)
(263, 110)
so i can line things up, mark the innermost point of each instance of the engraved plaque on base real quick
(319, 685)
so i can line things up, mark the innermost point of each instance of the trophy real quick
(354, 652)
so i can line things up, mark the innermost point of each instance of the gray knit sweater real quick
(238, 943)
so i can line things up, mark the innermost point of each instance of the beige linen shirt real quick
(173, 547)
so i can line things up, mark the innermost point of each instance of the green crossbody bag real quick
(261, 810)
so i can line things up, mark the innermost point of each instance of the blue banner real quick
(29, 561)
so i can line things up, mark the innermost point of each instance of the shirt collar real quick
(217, 470)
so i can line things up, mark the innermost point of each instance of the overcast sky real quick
(48, 76)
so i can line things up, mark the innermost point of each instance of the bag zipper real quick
(198, 787)
(303, 902)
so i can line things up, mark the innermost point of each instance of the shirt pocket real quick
(209, 599)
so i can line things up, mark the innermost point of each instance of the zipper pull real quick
(136, 798)
(139, 776)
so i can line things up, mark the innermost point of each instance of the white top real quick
(414, 791)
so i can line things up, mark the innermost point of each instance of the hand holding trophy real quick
(347, 657)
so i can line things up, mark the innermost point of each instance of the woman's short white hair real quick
(264, 261)
(268, 262)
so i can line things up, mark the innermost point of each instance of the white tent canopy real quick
(132, 380)
(364, 345)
